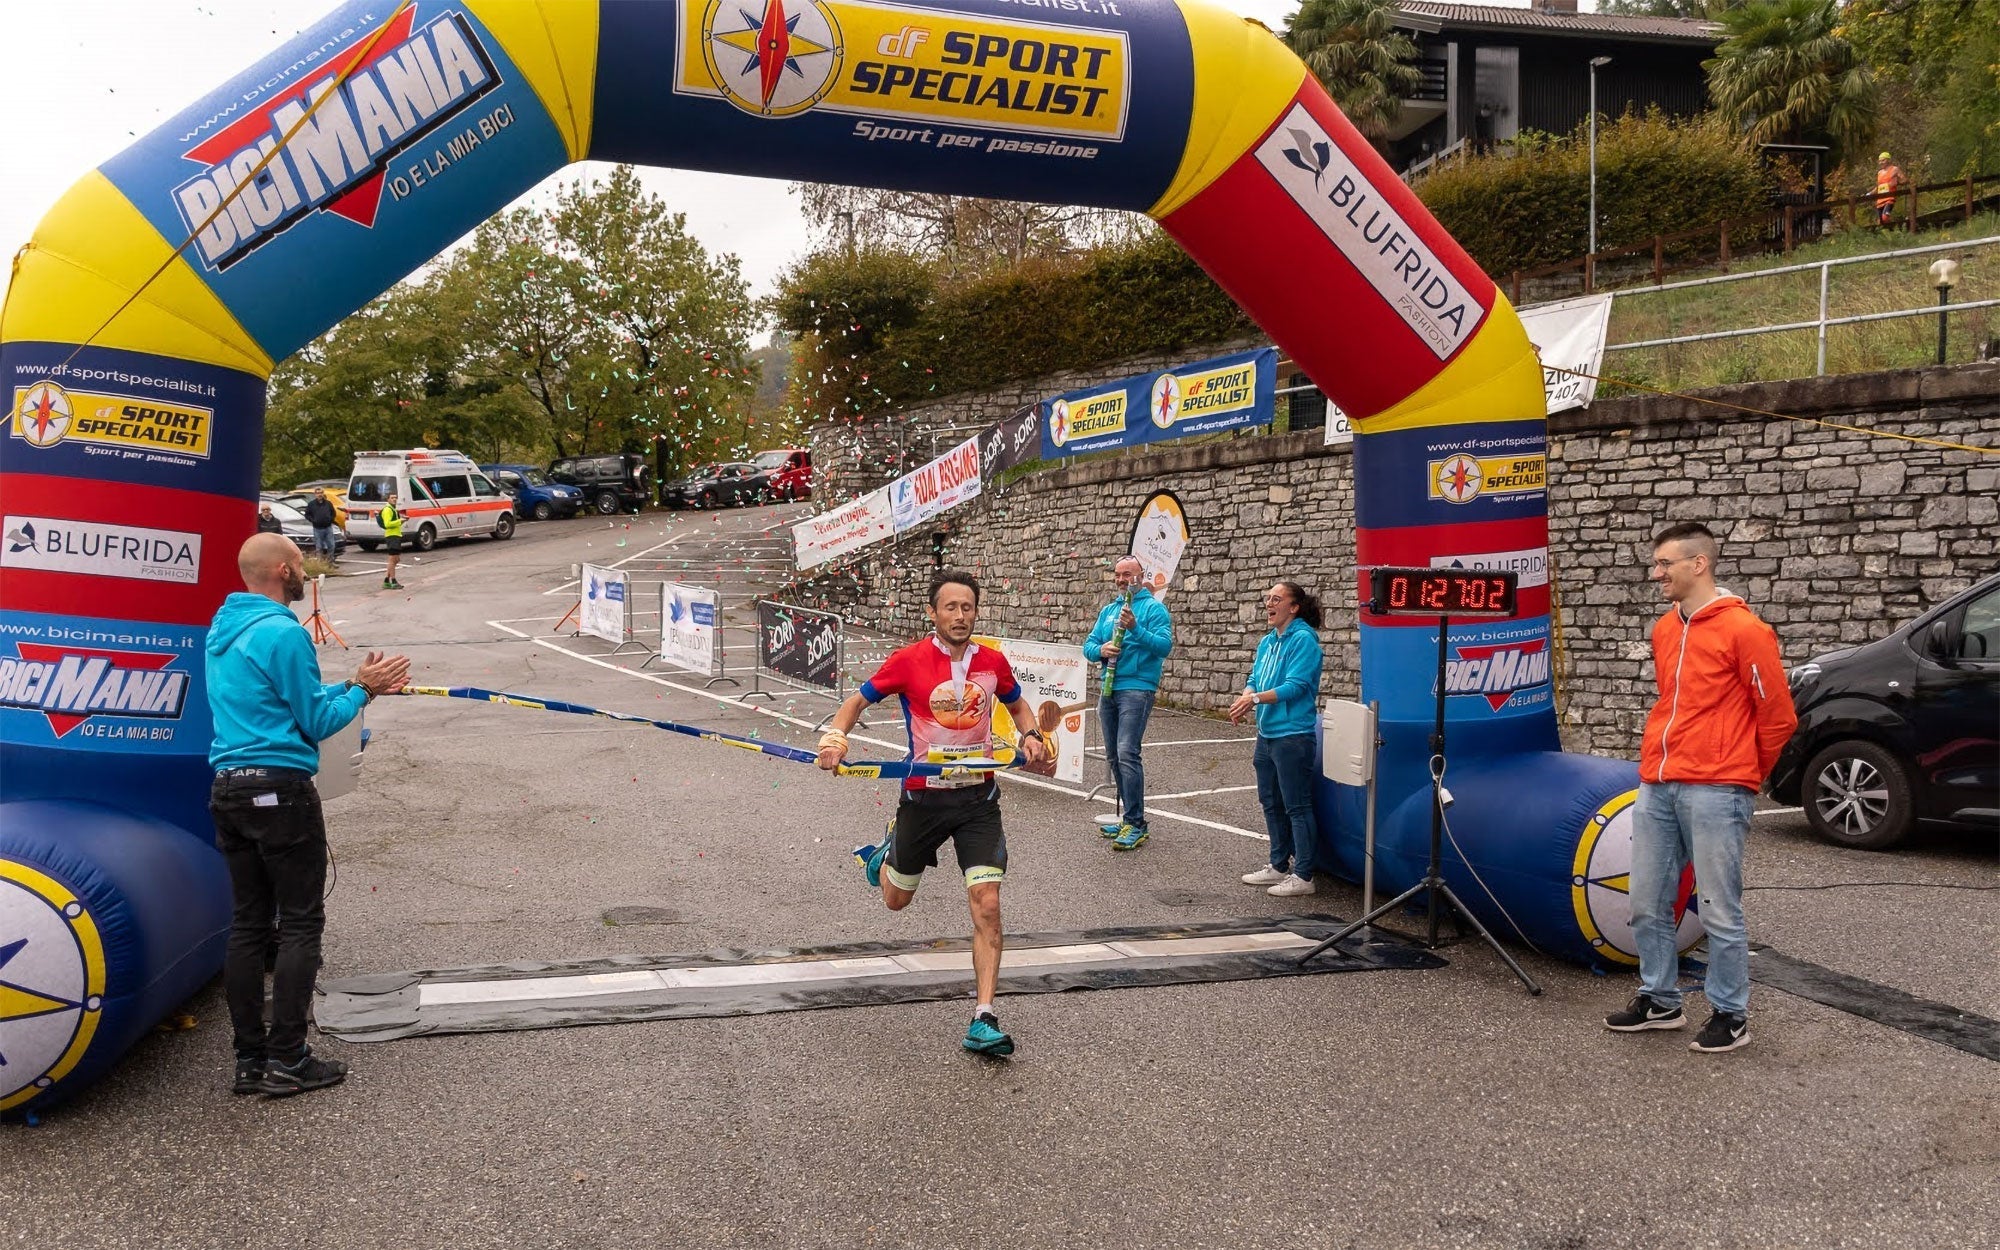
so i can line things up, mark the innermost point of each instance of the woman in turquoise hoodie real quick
(1284, 692)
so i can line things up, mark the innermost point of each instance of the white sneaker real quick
(1265, 876)
(1292, 887)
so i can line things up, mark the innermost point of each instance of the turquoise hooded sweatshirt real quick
(270, 708)
(1288, 662)
(1147, 644)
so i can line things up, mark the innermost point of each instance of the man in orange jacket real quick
(1724, 713)
(1888, 181)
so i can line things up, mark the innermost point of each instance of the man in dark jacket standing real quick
(271, 711)
(320, 515)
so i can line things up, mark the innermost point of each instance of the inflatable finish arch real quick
(135, 380)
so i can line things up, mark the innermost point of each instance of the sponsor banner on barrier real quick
(945, 482)
(799, 643)
(1200, 398)
(849, 527)
(689, 617)
(1453, 475)
(97, 549)
(104, 414)
(1054, 679)
(101, 685)
(1159, 538)
(1493, 669)
(358, 183)
(1390, 254)
(603, 612)
(1014, 441)
(1569, 336)
(1339, 426)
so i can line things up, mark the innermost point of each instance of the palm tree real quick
(1358, 55)
(1785, 73)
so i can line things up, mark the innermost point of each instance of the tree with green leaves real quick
(1356, 51)
(1939, 65)
(1786, 72)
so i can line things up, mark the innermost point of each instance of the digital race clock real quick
(1442, 592)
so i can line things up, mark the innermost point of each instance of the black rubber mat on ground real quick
(1935, 1022)
(389, 1006)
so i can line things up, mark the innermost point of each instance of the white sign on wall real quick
(945, 482)
(849, 527)
(1569, 335)
(603, 611)
(1054, 680)
(688, 616)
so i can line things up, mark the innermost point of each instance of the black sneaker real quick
(1644, 1013)
(249, 1077)
(308, 1072)
(1724, 1031)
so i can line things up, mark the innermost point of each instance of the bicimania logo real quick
(398, 89)
(71, 685)
(1498, 672)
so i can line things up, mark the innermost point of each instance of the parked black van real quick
(610, 483)
(1903, 729)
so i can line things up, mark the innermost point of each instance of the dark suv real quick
(610, 483)
(1902, 729)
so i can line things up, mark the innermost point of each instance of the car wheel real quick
(1857, 794)
(366, 544)
(606, 503)
(542, 510)
(427, 537)
(504, 528)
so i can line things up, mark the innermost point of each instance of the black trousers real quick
(273, 836)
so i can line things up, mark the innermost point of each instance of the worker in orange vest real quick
(1888, 181)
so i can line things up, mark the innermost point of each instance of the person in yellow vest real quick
(1888, 181)
(392, 536)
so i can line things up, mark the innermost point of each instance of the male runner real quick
(948, 685)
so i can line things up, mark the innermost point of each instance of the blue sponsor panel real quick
(432, 130)
(1092, 420)
(103, 414)
(1226, 393)
(1497, 679)
(1084, 103)
(1451, 475)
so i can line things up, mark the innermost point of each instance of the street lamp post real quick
(1944, 276)
(1596, 63)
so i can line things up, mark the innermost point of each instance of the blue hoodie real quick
(270, 708)
(1144, 649)
(1289, 662)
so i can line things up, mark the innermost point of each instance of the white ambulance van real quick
(441, 494)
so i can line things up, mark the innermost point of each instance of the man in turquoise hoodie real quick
(1132, 637)
(271, 711)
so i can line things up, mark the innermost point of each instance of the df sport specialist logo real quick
(51, 982)
(43, 415)
(772, 62)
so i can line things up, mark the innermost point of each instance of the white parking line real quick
(575, 581)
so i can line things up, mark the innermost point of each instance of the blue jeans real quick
(1674, 823)
(1124, 715)
(323, 539)
(1285, 788)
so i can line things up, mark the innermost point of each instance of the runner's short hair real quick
(1698, 538)
(954, 577)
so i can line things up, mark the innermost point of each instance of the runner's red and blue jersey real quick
(946, 704)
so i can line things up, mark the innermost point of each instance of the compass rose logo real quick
(1166, 400)
(51, 982)
(775, 61)
(42, 414)
(1458, 478)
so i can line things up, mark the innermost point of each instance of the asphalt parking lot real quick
(1407, 1109)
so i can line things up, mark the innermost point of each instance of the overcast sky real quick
(109, 71)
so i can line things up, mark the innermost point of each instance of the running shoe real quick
(1111, 830)
(307, 1072)
(1725, 1030)
(1645, 1012)
(1129, 837)
(249, 1077)
(871, 854)
(983, 1037)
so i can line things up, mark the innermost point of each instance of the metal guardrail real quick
(1819, 323)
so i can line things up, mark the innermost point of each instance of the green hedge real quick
(1654, 176)
(878, 332)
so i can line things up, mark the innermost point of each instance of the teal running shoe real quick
(983, 1037)
(871, 854)
(1129, 838)
(1111, 830)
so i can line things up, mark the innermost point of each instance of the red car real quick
(789, 470)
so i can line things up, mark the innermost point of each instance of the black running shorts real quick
(394, 544)
(969, 819)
